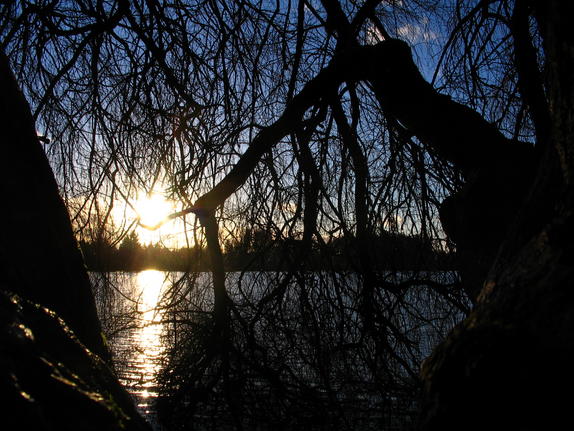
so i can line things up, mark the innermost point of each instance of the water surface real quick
(128, 307)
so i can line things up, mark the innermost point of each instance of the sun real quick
(150, 212)
(152, 209)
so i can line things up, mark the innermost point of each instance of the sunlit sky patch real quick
(153, 208)
(150, 209)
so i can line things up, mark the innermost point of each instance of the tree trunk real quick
(39, 257)
(509, 365)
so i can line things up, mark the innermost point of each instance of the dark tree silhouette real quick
(515, 347)
(312, 122)
(55, 366)
(40, 258)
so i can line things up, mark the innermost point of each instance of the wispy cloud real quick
(416, 33)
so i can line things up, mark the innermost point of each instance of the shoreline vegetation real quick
(257, 251)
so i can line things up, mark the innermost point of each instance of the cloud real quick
(416, 33)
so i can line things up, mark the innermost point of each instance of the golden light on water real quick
(148, 347)
(150, 283)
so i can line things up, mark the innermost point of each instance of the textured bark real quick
(50, 381)
(39, 257)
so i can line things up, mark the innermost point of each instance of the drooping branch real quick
(267, 138)
(495, 166)
(221, 308)
(529, 78)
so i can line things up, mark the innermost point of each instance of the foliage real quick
(132, 256)
(256, 251)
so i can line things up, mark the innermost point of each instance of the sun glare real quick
(152, 209)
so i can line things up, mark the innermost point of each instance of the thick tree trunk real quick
(39, 257)
(48, 379)
(509, 365)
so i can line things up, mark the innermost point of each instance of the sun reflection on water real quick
(150, 283)
(146, 343)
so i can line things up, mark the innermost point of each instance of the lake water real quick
(133, 318)
(128, 308)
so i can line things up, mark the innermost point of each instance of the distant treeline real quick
(258, 251)
(131, 255)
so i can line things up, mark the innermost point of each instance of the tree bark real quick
(39, 257)
(509, 365)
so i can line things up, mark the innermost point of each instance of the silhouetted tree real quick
(55, 366)
(313, 122)
(40, 257)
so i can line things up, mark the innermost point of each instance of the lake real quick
(132, 321)
(132, 308)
